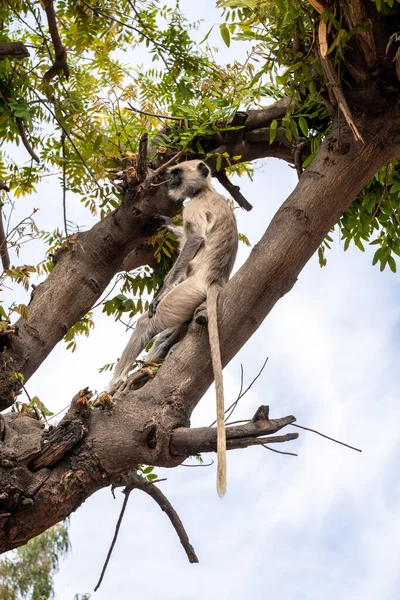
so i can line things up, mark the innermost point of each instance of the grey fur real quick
(208, 242)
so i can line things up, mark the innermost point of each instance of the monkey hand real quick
(153, 307)
(165, 221)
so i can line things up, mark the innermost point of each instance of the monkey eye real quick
(176, 171)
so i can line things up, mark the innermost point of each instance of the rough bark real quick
(140, 426)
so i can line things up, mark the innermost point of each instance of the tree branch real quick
(233, 190)
(5, 257)
(60, 63)
(187, 442)
(13, 50)
(24, 138)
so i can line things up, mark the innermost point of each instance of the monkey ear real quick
(204, 170)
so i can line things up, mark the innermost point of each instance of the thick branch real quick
(187, 442)
(60, 64)
(13, 50)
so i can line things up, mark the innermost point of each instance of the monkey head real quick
(188, 179)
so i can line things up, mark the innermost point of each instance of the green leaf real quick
(226, 36)
(392, 264)
(303, 126)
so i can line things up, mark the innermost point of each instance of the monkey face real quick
(188, 179)
(176, 178)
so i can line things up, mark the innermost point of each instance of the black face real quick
(176, 178)
(204, 170)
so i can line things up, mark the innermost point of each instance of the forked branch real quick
(133, 481)
(187, 442)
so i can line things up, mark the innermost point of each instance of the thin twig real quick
(64, 188)
(241, 394)
(278, 451)
(197, 466)
(149, 114)
(127, 492)
(326, 436)
(170, 162)
(4, 255)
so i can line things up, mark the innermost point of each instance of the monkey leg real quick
(174, 310)
(165, 341)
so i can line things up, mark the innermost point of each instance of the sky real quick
(322, 525)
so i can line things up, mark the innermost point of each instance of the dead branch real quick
(327, 437)
(246, 442)
(127, 493)
(60, 63)
(186, 442)
(24, 138)
(234, 190)
(170, 162)
(131, 481)
(13, 50)
(279, 451)
(333, 81)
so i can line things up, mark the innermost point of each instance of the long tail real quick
(212, 295)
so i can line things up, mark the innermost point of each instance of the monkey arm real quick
(193, 243)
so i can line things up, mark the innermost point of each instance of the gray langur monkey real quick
(208, 242)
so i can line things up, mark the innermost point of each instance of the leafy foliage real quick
(84, 129)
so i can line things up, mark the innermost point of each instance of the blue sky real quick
(323, 525)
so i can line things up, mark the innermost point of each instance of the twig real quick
(278, 451)
(197, 466)
(149, 114)
(135, 481)
(4, 255)
(327, 437)
(24, 138)
(236, 444)
(127, 492)
(170, 162)
(64, 188)
(234, 190)
(60, 63)
(241, 394)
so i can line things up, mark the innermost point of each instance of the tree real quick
(332, 69)
(28, 573)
